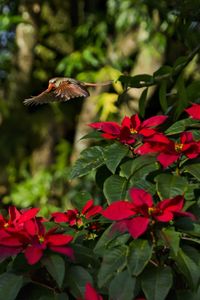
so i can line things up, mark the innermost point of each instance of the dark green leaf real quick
(163, 96)
(10, 285)
(115, 188)
(89, 160)
(169, 186)
(193, 169)
(113, 261)
(140, 252)
(55, 265)
(171, 238)
(164, 70)
(137, 81)
(77, 279)
(110, 239)
(188, 268)
(142, 102)
(113, 155)
(141, 163)
(156, 282)
(181, 126)
(84, 255)
(182, 101)
(122, 286)
(62, 296)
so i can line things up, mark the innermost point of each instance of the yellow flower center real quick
(178, 147)
(6, 225)
(41, 239)
(133, 131)
(153, 210)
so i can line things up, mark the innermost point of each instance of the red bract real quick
(113, 131)
(144, 128)
(130, 128)
(194, 111)
(157, 143)
(136, 215)
(17, 218)
(174, 150)
(90, 293)
(39, 240)
(74, 217)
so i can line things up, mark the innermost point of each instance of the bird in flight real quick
(62, 89)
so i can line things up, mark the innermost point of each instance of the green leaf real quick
(181, 126)
(193, 169)
(182, 102)
(110, 239)
(55, 265)
(141, 163)
(90, 159)
(122, 286)
(142, 102)
(113, 154)
(188, 268)
(62, 296)
(140, 252)
(84, 255)
(156, 282)
(137, 81)
(10, 285)
(114, 260)
(115, 188)
(162, 95)
(164, 70)
(187, 294)
(171, 239)
(169, 186)
(77, 279)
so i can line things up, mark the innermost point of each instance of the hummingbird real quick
(61, 89)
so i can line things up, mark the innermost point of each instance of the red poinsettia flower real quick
(113, 131)
(17, 218)
(130, 128)
(90, 293)
(135, 216)
(174, 150)
(39, 240)
(156, 143)
(194, 111)
(145, 128)
(76, 218)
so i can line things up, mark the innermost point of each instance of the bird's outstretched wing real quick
(68, 90)
(64, 92)
(44, 97)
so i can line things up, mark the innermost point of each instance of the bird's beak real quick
(50, 87)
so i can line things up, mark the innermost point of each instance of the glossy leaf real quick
(169, 186)
(137, 81)
(55, 265)
(141, 163)
(77, 279)
(156, 282)
(115, 188)
(142, 102)
(163, 96)
(188, 268)
(10, 285)
(89, 160)
(113, 155)
(140, 252)
(193, 169)
(171, 239)
(122, 286)
(181, 125)
(113, 261)
(110, 239)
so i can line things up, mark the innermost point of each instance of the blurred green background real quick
(93, 41)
